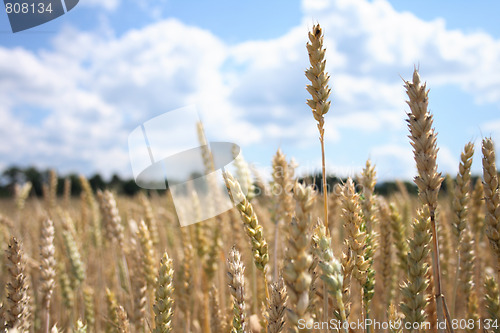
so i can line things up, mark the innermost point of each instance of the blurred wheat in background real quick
(288, 257)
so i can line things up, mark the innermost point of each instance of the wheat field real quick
(287, 258)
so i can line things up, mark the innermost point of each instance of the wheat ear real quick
(21, 193)
(139, 286)
(111, 217)
(467, 269)
(491, 197)
(423, 140)
(414, 289)
(277, 307)
(164, 302)
(477, 208)
(15, 311)
(387, 268)
(236, 282)
(394, 320)
(356, 236)
(460, 205)
(217, 319)
(149, 219)
(462, 196)
(398, 233)
(253, 229)
(67, 292)
(148, 254)
(79, 327)
(88, 298)
(330, 267)
(113, 321)
(124, 326)
(296, 267)
(47, 268)
(75, 259)
(88, 197)
(491, 299)
(283, 185)
(243, 172)
(367, 182)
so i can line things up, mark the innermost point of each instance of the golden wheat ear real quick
(164, 301)
(277, 307)
(414, 289)
(236, 282)
(15, 310)
(491, 197)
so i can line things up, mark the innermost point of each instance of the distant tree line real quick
(383, 188)
(16, 175)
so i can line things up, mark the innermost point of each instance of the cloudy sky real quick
(73, 89)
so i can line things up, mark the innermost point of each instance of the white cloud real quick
(447, 160)
(380, 38)
(96, 88)
(393, 161)
(491, 127)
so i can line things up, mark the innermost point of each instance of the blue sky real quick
(74, 88)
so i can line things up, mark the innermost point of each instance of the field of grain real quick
(290, 259)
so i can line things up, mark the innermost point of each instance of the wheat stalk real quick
(367, 182)
(423, 141)
(320, 92)
(460, 205)
(253, 229)
(298, 260)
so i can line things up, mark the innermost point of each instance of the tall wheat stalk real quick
(320, 92)
(492, 198)
(423, 140)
